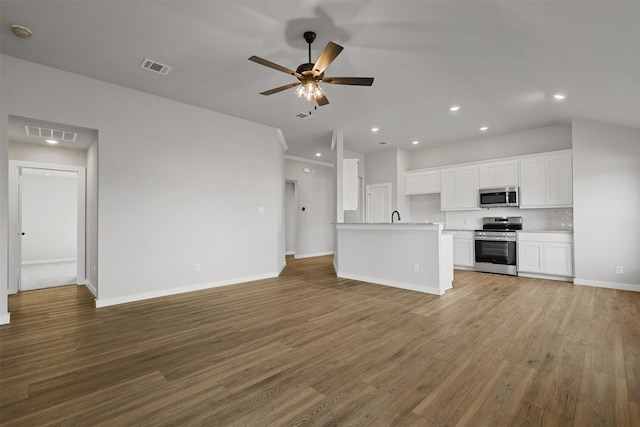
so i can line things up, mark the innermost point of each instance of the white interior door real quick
(379, 203)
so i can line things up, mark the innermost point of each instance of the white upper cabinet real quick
(459, 189)
(425, 182)
(499, 174)
(546, 181)
(559, 180)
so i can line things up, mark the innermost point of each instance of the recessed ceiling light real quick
(318, 154)
(454, 108)
(52, 141)
(484, 128)
(375, 129)
(415, 142)
(559, 96)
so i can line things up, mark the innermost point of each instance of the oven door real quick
(496, 251)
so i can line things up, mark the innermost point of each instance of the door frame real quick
(387, 186)
(15, 219)
(293, 221)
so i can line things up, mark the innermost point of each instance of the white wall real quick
(403, 205)
(4, 204)
(538, 140)
(357, 215)
(179, 185)
(49, 217)
(382, 167)
(91, 246)
(47, 154)
(315, 192)
(606, 201)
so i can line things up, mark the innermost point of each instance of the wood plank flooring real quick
(308, 348)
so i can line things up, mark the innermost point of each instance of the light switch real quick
(261, 209)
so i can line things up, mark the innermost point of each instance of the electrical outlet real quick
(619, 269)
(416, 267)
(197, 267)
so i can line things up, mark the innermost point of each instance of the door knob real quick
(23, 233)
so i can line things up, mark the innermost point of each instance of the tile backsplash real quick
(533, 219)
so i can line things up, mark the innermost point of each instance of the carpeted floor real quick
(40, 276)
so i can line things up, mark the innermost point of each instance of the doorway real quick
(48, 218)
(378, 203)
(291, 211)
(47, 225)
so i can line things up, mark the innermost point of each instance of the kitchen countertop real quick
(546, 231)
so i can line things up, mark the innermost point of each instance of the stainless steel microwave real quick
(499, 197)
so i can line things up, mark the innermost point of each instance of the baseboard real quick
(290, 253)
(546, 277)
(393, 283)
(89, 286)
(312, 255)
(464, 267)
(282, 266)
(5, 319)
(49, 261)
(105, 302)
(608, 285)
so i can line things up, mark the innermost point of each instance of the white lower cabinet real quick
(548, 255)
(463, 250)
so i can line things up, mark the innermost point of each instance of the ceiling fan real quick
(309, 74)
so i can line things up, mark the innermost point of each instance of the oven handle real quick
(495, 239)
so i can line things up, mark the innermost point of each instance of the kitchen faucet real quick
(395, 212)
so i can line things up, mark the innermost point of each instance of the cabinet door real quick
(430, 182)
(533, 183)
(558, 259)
(503, 174)
(559, 180)
(463, 252)
(530, 257)
(448, 190)
(413, 183)
(466, 188)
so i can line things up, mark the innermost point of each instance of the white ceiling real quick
(501, 61)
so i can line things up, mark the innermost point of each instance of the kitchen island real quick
(413, 256)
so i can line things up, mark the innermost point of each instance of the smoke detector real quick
(21, 32)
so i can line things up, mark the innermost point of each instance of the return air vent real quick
(156, 67)
(303, 116)
(61, 135)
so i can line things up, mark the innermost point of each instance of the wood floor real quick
(310, 349)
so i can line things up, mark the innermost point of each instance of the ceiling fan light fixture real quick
(310, 90)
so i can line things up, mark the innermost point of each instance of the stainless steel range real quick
(495, 244)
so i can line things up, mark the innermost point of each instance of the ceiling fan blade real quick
(322, 100)
(279, 89)
(331, 50)
(270, 64)
(357, 81)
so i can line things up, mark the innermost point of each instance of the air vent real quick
(303, 116)
(156, 67)
(61, 135)
(383, 143)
